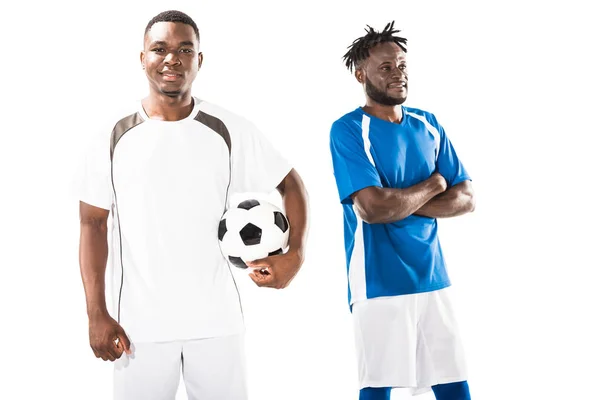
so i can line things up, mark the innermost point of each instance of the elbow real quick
(470, 206)
(378, 215)
(369, 217)
(366, 212)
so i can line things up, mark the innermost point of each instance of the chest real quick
(176, 159)
(405, 154)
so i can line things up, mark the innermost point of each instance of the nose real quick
(172, 58)
(399, 73)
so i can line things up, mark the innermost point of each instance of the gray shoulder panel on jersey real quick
(121, 128)
(216, 125)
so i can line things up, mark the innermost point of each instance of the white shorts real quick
(213, 368)
(409, 341)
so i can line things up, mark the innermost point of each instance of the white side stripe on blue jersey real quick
(365, 134)
(357, 269)
(434, 132)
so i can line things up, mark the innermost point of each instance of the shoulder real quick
(349, 123)
(232, 121)
(421, 115)
(99, 132)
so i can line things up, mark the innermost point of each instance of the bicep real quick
(464, 187)
(353, 169)
(92, 215)
(290, 181)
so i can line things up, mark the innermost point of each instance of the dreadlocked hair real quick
(359, 49)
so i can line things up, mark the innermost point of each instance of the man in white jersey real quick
(164, 171)
(397, 172)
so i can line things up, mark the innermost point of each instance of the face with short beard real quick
(384, 75)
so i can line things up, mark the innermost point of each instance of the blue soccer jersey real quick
(402, 257)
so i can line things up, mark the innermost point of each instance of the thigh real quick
(151, 372)
(386, 341)
(215, 368)
(441, 348)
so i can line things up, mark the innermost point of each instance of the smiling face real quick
(384, 74)
(171, 58)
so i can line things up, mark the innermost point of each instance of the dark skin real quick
(384, 74)
(171, 61)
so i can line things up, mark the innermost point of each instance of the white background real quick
(515, 85)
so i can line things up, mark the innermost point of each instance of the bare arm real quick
(458, 200)
(93, 253)
(295, 203)
(377, 205)
(281, 269)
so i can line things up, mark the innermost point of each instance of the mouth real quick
(170, 76)
(398, 85)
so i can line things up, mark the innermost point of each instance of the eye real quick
(386, 68)
(158, 50)
(402, 67)
(187, 51)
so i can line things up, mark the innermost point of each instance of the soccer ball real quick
(252, 230)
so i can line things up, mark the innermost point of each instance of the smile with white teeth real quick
(397, 85)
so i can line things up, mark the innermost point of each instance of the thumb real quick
(124, 342)
(261, 263)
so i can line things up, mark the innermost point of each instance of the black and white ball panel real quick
(251, 231)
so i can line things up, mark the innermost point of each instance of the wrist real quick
(297, 252)
(95, 313)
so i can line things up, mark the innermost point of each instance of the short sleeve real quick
(448, 163)
(92, 182)
(257, 166)
(352, 168)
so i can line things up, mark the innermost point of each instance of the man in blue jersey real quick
(396, 173)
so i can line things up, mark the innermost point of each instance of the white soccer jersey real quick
(167, 183)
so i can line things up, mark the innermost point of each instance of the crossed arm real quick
(430, 198)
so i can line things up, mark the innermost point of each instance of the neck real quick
(387, 113)
(166, 108)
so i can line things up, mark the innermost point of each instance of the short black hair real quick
(173, 16)
(359, 49)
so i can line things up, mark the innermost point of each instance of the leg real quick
(441, 348)
(215, 368)
(375, 393)
(452, 391)
(150, 373)
(385, 331)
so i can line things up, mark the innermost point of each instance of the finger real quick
(256, 279)
(112, 351)
(123, 342)
(260, 263)
(262, 280)
(259, 279)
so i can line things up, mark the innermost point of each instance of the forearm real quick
(396, 204)
(457, 200)
(295, 203)
(93, 253)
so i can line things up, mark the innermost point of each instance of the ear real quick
(143, 59)
(200, 59)
(359, 74)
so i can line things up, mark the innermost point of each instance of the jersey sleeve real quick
(92, 181)
(257, 166)
(352, 168)
(448, 163)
